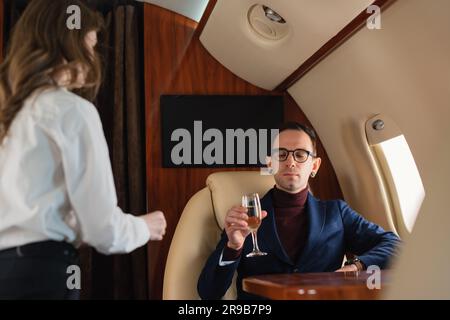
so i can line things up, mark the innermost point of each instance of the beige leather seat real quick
(200, 226)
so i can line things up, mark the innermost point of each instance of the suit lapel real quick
(316, 221)
(268, 231)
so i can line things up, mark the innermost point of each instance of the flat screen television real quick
(218, 130)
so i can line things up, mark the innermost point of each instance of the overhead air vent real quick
(267, 23)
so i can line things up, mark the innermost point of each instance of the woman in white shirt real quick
(56, 183)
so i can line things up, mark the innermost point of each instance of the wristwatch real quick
(357, 262)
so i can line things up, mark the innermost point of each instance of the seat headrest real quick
(227, 189)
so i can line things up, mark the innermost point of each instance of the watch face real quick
(351, 261)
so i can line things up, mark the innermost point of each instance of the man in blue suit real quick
(300, 233)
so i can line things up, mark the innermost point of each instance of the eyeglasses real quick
(300, 155)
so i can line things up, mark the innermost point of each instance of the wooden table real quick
(316, 286)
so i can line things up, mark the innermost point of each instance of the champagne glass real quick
(251, 202)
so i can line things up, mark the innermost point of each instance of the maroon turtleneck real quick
(291, 222)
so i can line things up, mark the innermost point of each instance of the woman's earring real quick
(313, 174)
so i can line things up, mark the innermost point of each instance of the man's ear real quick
(316, 164)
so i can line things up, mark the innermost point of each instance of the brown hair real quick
(42, 46)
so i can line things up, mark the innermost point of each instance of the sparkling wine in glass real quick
(251, 202)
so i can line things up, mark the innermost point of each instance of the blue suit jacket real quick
(334, 229)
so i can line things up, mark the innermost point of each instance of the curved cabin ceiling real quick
(192, 9)
(262, 61)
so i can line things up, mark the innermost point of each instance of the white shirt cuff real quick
(225, 263)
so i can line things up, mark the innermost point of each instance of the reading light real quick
(378, 124)
(272, 15)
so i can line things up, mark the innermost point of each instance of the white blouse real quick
(56, 181)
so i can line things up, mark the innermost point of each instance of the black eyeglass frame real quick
(309, 154)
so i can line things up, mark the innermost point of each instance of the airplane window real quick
(403, 179)
(399, 171)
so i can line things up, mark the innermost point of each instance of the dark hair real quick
(301, 127)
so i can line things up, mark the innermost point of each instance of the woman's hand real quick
(156, 223)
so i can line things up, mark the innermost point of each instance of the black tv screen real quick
(218, 131)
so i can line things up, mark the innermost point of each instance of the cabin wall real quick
(177, 63)
(402, 70)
